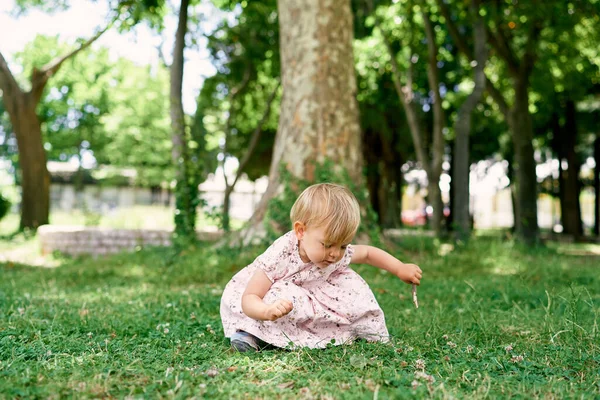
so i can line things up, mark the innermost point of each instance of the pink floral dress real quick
(331, 305)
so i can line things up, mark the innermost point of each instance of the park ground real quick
(496, 320)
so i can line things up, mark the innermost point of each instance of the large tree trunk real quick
(461, 159)
(597, 186)
(185, 204)
(319, 112)
(35, 179)
(524, 164)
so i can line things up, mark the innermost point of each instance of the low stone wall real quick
(77, 240)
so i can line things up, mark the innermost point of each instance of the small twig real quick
(414, 295)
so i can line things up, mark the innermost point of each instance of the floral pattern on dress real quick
(331, 305)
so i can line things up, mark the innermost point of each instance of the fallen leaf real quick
(286, 385)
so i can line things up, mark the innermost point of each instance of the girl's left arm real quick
(409, 273)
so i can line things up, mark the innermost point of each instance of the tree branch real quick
(434, 86)
(232, 95)
(255, 136)
(40, 77)
(404, 93)
(461, 43)
(8, 83)
(161, 55)
(499, 44)
(458, 39)
(497, 96)
(500, 41)
(530, 55)
(480, 58)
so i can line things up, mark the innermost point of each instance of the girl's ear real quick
(299, 229)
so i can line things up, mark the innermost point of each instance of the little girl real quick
(301, 292)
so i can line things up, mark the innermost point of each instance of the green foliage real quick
(246, 55)
(495, 320)
(138, 126)
(49, 6)
(131, 12)
(277, 220)
(197, 165)
(4, 206)
(72, 108)
(115, 110)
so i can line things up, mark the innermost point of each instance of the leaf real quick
(358, 361)
(286, 385)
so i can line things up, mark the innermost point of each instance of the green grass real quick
(147, 325)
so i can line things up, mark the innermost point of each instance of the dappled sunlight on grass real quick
(25, 249)
(578, 249)
(492, 315)
(505, 269)
(133, 271)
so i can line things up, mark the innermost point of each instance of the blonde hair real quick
(331, 206)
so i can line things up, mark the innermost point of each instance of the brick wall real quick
(75, 240)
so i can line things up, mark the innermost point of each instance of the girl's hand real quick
(409, 273)
(278, 309)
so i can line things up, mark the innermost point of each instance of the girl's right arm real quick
(252, 300)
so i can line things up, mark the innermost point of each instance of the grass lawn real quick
(495, 320)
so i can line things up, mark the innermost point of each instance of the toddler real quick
(301, 292)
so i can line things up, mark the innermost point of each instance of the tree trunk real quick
(393, 217)
(564, 142)
(517, 117)
(572, 218)
(597, 186)
(524, 164)
(35, 179)
(433, 167)
(460, 160)
(226, 206)
(319, 112)
(389, 198)
(185, 209)
(510, 173)
(398, 193)
(558, 148)
(435, 170)
(452, 192)
(371, 154)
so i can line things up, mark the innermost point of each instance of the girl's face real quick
(314, 247)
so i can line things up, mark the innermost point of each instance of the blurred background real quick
(110, 111)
